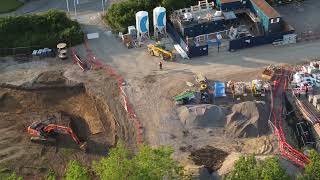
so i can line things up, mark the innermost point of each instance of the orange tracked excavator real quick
(44, 132)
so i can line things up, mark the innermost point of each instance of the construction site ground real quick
(150, 91)
(31, 91)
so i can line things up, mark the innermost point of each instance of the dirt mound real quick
(248, 119)
(204, 115)
(212, 158)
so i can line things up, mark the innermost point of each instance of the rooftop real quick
(266, 8)
(228, 1)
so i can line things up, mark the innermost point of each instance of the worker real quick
(306, 91)
(160, 65)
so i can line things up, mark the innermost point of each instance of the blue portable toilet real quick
(219, 89)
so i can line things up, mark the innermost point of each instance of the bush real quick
(45, 30)
(51, 175)
(76, 171)
(121, 15)
(247, 168)
(312, 170)
(149, 163)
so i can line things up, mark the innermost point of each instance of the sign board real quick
(93, 35)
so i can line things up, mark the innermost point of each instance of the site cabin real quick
(270, 19)
(302, 89)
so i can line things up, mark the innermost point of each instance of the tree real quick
(51, 175)
(116, 166)
(312, 170)
(44, 30)
(121, 15)
(247, 168)
(76, 171)
(148, 163)
(155, 163)
(271, 170)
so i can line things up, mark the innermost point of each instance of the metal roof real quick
(228, 1)
(266, 8)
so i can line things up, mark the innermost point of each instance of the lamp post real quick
(102, 1)
(67, 1)
(75, 7)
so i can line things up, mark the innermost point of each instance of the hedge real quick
(121, 15)
(44, 30)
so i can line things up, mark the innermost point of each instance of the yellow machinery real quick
(160, 51)
(257, 88)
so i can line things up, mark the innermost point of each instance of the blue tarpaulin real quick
(219, 89)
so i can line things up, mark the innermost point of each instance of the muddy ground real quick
(45, 92)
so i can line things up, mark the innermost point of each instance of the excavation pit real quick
(52, 95)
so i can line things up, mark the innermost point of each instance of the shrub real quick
(247, 168)
(76, 171)
(148, 163)
(121, 15)
(45, 30)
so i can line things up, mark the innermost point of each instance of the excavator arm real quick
(63, 130)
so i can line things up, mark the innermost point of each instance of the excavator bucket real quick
(84, 147)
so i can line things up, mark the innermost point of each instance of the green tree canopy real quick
(46, 30)
(312, 170)
(148, 163)
(121, 15)
(76, 171)
(247, 168)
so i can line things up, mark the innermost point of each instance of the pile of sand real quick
(248, 119)
(204, 115)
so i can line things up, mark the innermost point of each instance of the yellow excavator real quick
(159, 50)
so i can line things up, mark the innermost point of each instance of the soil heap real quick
(204, 115)
(248, 119)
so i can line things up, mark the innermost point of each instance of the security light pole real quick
(75, 8)
(102, 1)
(67, 1)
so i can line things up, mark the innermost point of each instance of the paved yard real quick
(304, 17)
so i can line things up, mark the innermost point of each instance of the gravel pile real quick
(248, 119)
(204, 115)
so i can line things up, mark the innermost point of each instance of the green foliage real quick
(51, 175)
(12, 176)
(76, 171)
(147, 164)
(312, 170)
(121, 15)
(44, 30)
(9, 5)
(271, 170)
(247, 168)
(116, 166)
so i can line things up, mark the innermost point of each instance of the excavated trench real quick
(92, 118)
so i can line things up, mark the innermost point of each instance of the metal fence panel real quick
(250, 41)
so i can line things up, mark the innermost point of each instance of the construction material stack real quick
(129, 39)
(257, 88)
(268, 73)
